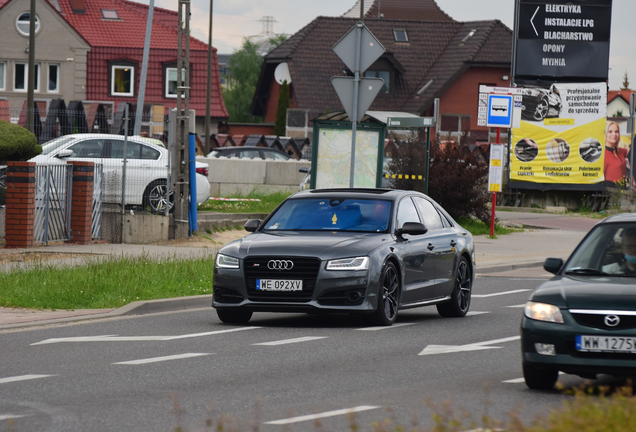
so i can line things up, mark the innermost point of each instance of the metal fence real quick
(52, 203)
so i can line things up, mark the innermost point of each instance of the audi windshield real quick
(317, 214)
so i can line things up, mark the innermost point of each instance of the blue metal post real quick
(193, 184)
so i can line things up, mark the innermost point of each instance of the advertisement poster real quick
(561, 139)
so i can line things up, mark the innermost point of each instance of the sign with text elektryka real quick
(562, 38)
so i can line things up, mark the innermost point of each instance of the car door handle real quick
(430, 246)
(453, 243)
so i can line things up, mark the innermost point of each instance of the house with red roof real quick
(618, 103)
(109, 38)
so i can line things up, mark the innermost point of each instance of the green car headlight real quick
(224, 261)
(543, 312)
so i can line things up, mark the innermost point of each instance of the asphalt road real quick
(280, 372)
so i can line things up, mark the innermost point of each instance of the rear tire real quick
(459, 303)
(229, 316)
(540, 379)
(155, 197)
(388, 297)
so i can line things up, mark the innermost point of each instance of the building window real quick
(21, 77)
(54, 78)
(110, 14)
(455, 123)
(24, 21)
(172, 82)
(400, 35)
(3, 68)
(122, 80)
(385, 75)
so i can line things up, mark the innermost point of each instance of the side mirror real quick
(64, 153)
(412, 228)
(553, 265)
(252, 225)
(303, 170)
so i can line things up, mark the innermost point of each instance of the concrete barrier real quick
(228, 176)
(145, 228)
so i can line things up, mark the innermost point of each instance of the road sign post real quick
(632, 115)
(358, 49)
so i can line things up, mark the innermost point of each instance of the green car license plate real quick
(606, 343)
(279, 285)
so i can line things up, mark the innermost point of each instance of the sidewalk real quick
(550, 236)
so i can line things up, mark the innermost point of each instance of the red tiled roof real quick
(613, 94)
(130, 30)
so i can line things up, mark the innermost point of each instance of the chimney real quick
(77, 6)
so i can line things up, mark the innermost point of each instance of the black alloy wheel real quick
(540, 379)
(459, 303)
(388, 297)
(229, 316)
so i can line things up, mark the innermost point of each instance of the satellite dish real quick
(281, 74)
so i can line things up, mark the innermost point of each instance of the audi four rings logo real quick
(280, 265)
(612, 320)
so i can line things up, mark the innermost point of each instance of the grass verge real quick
(477, 227)
(267, 203)
(106, 283)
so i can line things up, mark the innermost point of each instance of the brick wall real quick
(20, 209)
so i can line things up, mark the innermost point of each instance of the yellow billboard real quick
(561, 136)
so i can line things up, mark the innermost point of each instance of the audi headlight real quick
(359, 263)
(543, 312)
(224, 261)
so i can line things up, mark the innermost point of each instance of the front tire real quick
(388, 297)
(229, 316)
(459, 303)
(540, 379)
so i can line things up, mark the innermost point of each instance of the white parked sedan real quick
(146, 172)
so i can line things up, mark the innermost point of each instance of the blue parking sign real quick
(499, 111)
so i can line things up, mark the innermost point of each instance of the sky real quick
(235, 19)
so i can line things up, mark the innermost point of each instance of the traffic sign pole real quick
(354, 120)
(494, 199)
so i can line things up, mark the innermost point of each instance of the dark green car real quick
(583, 320)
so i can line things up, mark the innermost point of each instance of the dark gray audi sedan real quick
(363, 251)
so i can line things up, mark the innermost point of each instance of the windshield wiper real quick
(586, 271)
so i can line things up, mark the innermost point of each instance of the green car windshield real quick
(332, 214)
(609, 250)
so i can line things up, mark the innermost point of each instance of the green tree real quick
(281, 110)
(277, 40)
(17, 143)
(625, 82)
(244, 68)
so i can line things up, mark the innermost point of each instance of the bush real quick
(17, 143)
(456, 180)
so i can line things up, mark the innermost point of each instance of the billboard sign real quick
(561, 137)
(562, 38)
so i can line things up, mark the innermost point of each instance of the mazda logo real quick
(280, 265)
(612, 320)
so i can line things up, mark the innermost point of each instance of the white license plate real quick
(279, 285)
(605, 343)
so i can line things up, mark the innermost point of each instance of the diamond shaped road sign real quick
(370, 48)
(367, 91)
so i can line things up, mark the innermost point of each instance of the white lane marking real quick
(443, 349)
(164, 358)
(11, 416)
(471, 313)
(519, 380)
(290, 341)
(514, 381)
(23, 378)
(499, 293)
(384, 327)
(517, 306)
(322, 415)
(115, 338)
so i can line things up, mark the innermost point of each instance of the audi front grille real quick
(305, 269)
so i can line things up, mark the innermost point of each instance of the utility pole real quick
(144, 70)
(179, 151)
(31, 70)
(209, 85)
(361, 10)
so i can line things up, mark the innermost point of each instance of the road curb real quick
(508, 267)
